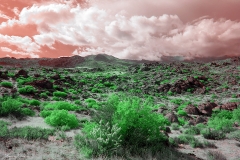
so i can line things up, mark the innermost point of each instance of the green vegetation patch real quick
(6, 84)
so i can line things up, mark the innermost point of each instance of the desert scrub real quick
(61, 105)
(98, 139)
(43, 95)
(10, 106)
(60, 94)
(59, 118)
(175, 126)
(193, 130)
(135, 127)
(188, 139)
(210, 133)
(27, 90)
(6, 84)
(31, 133)
(222, 120)
(234, 135)
(91, 103)
(34, 102)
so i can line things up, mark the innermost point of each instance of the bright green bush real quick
(22, 80)
(182, 113)
(45, 113)
(105, 136)
(181, 121)
(60, 94)
(91, 103)
(221, 120)
(7, 84)
(236, 114)
(61, 105)
(27, 89)
(60, 118)
(55, 98)
(35, 102)
(126, 123)
(9, 106)
(43, 95)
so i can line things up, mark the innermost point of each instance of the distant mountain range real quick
(74, 61)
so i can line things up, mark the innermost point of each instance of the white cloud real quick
(6, 49)
(113, 28)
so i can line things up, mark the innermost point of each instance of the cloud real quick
(130, 29)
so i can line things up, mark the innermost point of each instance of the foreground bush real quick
(122, 124)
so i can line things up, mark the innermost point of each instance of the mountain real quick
(94, 61)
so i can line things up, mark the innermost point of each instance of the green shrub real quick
(210, 133)
(61, 105)
(45, 113)
(126, 123)
(234, 135)
(177, 101)
(27, 112)
(55, 98)
(181, 121)
(27, 90)
(43, 95)
(78, 102)
(22, 80)
(60, 118)
(35, 102)
(193, 130)
(236, 114)
(188, 139)
(10, 106)
(7, 84)
(60, 94)
(182, 113)
(175, 126)
(92, 103)
(96, 90)
(30, 133)
(221, 120)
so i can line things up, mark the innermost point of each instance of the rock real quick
(200, 119)
(191, 109)
(56, 77)
(206, 109)
(172, 117)
(22, 73)
(168, 130)
(229, 106)
(42, 84)
(37, 75)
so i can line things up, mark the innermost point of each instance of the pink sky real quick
(129, 29)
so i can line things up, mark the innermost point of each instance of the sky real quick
(126, 29)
